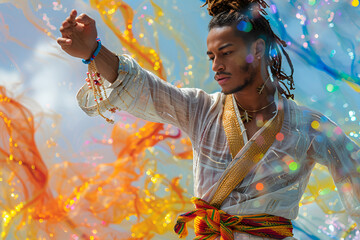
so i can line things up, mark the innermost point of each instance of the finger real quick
(79, 27)
(71, 18)
(73, 15)
(81, 21)
(84, 19)
(69, 21)
(66, 31)
(65, 24)
(64, 42)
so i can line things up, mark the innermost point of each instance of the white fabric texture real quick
(199, 115)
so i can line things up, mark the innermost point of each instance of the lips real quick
(221, 76)
(222, 79)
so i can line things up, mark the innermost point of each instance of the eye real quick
(211, 59)
(227, 53)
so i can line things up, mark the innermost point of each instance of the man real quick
(244, 138)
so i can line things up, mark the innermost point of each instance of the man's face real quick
(231, 59)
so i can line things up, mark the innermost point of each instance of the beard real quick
(246, 68)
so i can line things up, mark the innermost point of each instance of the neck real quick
(251, 100)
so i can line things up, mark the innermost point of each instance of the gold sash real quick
(253, 154)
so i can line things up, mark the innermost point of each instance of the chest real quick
(213, 147)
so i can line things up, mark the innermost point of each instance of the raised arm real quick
(79, 40)
(132, 89)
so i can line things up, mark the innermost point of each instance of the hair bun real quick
(218, 6)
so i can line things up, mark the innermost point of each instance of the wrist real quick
(94, 53)
(92, 48)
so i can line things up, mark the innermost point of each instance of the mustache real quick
(222, 73)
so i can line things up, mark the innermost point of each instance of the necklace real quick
(246, 117)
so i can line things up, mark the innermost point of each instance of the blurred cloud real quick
(11, 79)
(48, 78)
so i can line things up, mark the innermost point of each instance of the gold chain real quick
(246, 117)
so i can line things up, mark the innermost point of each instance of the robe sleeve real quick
(333, 148)
(144, 95)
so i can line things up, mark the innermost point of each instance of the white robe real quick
(199, 115)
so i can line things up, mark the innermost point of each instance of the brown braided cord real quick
(218, 6)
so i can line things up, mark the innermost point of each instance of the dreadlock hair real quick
(248, 17)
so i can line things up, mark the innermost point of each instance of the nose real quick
(218, 66)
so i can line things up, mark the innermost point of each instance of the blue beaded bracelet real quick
(97, 50)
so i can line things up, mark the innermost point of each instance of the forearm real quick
(107, 64)
(144, 95)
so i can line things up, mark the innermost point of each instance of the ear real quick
(258, 48)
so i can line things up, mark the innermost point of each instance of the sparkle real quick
(293, 166)
(259, 186)
(279, 137)
(315, 124)
(330, 88)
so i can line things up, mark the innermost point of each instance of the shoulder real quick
(318, 126)
(307, 117)
(202, 97)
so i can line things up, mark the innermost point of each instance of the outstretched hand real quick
(78, 35)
